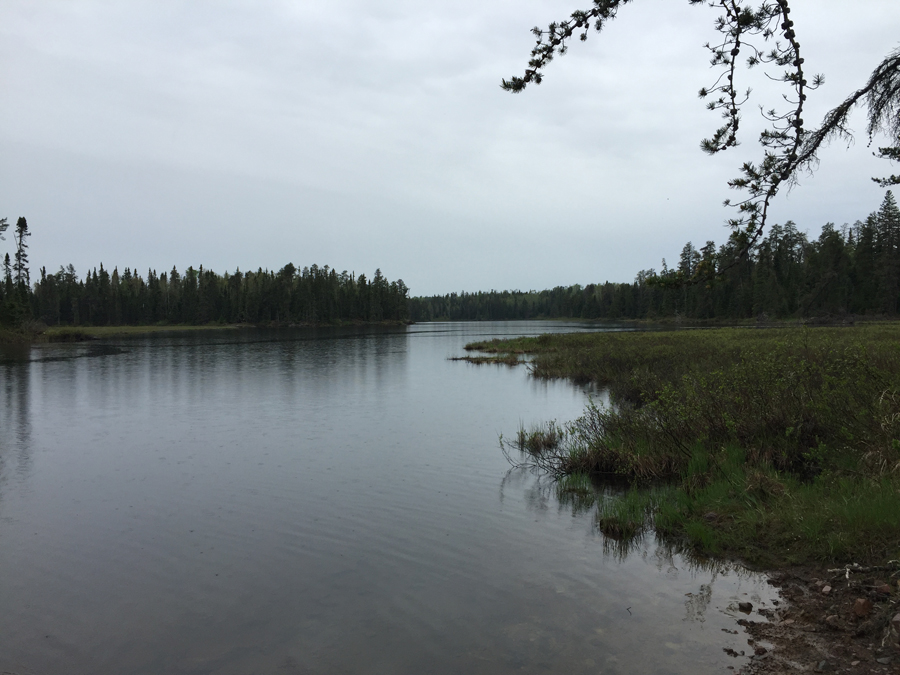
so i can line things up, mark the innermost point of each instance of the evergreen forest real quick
(845, 271)
(851, 270)
(311, 295)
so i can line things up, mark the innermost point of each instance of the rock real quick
(867, 628)
(759, 651)
(895, 622)
(823, 667)
(885, 660)
(862, 608)
(745, 607)
(833, 622)
(854, 663)
(826, 590)
(884, 589)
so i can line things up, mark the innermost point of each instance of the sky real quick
(366, 134)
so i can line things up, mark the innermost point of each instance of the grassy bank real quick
(776, 446)
(78, 333)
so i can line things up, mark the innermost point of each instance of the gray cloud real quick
(365, 135)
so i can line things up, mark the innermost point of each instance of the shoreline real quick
(844, 619)
(85, 333)
(725, 489)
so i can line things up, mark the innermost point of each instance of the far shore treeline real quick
(854, 269)
(848, 270)
(201, 296)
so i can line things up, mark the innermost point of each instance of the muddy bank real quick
(831, 620)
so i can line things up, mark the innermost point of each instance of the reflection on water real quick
(317, 501)
(15, 421)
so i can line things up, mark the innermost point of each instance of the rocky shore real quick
(844, 620)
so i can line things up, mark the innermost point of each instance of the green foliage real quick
(15, 287)
(540, 439)
(627, 516)
(311, 295)
(849, 271)
(22, 275)
(777, 445)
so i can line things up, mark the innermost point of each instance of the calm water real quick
(317, 501)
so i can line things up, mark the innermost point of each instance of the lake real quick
(319, 501)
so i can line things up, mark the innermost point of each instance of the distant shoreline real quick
(86, 333)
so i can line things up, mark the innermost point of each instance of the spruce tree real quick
(20, 268)
(887, 223)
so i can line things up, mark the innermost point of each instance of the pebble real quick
(884, 660)
(826, 590)
(745, 607)
(862, 607)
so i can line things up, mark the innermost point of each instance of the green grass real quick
(14, 337)
(75, 333)
(501, 359)
(777, 446)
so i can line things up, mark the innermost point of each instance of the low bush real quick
(778, 445)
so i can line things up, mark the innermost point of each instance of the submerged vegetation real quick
(777, 446)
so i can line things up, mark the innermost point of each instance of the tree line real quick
(15, 289)
(200, 296)
(851, 270)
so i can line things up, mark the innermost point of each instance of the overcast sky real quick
(373, 133)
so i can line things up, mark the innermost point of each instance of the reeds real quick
(773, 445)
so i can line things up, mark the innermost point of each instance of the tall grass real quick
(778, 445)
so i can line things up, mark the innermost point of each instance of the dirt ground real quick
(836, 620)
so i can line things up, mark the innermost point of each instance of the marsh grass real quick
(76, 334)
(628, 516)
(22, 334)
(540, 441)
(13, 337)
(501, 359)
(777, 446)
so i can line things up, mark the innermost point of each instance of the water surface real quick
(317, 501)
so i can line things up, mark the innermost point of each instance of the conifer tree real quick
(887, 224)
(20, 268)
(764, 34)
